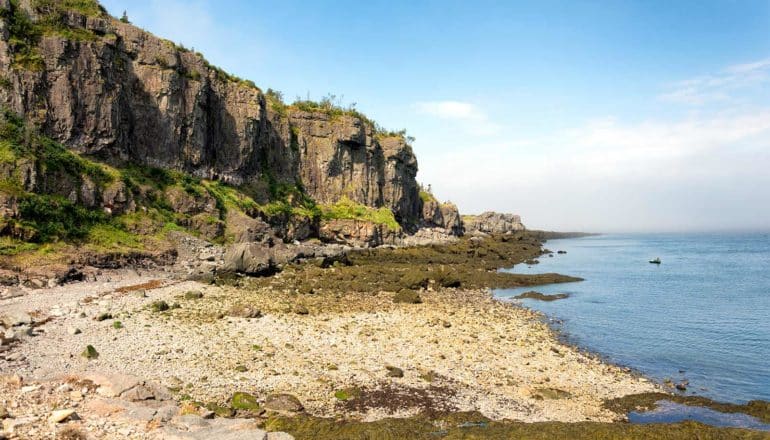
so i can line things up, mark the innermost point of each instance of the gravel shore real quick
(356, 355)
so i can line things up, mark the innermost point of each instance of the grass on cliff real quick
(348, 209)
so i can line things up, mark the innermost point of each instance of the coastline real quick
(352, 355)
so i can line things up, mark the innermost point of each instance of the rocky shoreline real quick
(309, 344)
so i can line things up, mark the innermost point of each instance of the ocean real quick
(703, 315)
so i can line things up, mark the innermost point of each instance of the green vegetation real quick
(473, 425)
(90, 352)
(348, 209)
(244, 401)
(426, 197)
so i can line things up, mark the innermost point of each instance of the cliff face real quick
(114, 92)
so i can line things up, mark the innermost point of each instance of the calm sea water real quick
(702, 315)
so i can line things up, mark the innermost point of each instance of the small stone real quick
(301, 310)
(140, 294)
(61, 415)
(241, 369)
(283, 403)
(159, 306)
(4, 413)
(90, 352)
(193, 294)
(12, 319)
(103, 316)
(394, 371)
(244, 311)
(73, 331)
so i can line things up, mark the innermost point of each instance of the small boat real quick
(655, 261)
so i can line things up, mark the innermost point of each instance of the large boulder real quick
(268, 258)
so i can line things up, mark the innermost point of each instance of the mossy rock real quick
(394, 371)
(241, 369)
(193, 294)
(407, 296)
(159, 306)
(220, 411)
(90, 352)
(103, 317)
(347, 394)
(244, 401)
(414, 279)
(550, 394)
(117, 325)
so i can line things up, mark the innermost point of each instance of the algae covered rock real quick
(193, 294)
(244, 401)
(394, 371)
(90, 352)
(407, 296)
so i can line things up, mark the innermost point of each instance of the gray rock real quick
(285, 403)
(14, 318)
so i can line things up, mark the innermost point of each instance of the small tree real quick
(124, 18)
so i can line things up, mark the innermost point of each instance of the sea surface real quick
(703, 315)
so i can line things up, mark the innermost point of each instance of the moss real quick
(159, 306)
(347, 393)
(648, 401)
(90, 352)
(117, 325)
(244, 401)
(193, 295)
(426, 197)
(348, 209)
(476, 426)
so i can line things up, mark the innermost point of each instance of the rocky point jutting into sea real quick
(184, 256)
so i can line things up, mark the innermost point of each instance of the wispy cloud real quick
(472, 118)
(718, 87)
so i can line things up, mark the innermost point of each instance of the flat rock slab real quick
(113, 384)
(191, 427)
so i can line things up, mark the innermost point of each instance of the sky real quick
(578, 115)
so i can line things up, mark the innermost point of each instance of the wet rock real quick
(541, 296)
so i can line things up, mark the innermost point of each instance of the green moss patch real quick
(348, 209)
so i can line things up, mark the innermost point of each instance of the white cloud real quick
(718, 87)
(699, 172)
(470, 116)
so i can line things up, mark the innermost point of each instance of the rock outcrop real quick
(492, 222)
(110, 90)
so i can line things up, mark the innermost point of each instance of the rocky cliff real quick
(492, 222)
(113, 92)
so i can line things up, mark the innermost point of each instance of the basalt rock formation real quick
(111, 91)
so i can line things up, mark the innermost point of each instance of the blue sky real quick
(577, 115)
